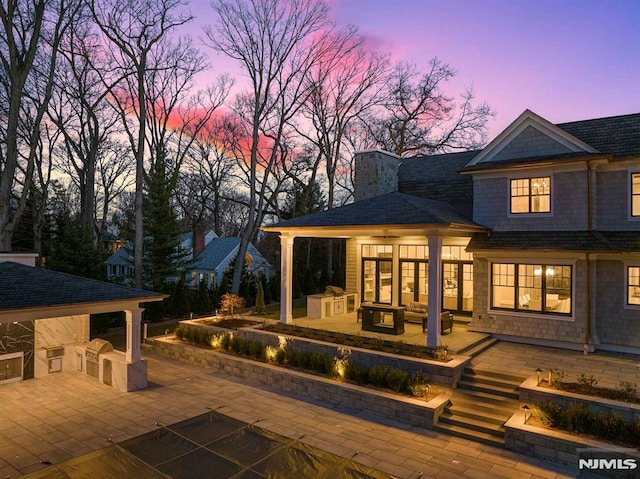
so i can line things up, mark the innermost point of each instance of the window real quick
(633, 285)
(531, 195)
(537, 288)
(635, 194)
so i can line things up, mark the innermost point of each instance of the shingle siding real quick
(558, 329)
(612, 200)
(616, 325)
(569, 210)
(531, 142)
(351, 274)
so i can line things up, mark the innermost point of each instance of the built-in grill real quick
(92, 355)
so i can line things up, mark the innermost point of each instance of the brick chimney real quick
(376, 173)
(197, 242)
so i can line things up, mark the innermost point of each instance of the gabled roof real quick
(216, 251)
(389, 209)
(610, 241)
(26, 287)
(529, 121)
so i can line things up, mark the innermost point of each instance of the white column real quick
(395, 278)
(286, 279)
(435, 291)
(134, 319)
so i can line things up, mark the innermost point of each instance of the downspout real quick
(590, 211)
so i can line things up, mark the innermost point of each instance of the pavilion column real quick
(286, 279)
(434, 308)
(134, 319)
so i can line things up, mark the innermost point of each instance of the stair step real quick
(476, 424)
(491, 381)
(479, 347)
(470, 434)
(494, 374)
(495, 390)
(492, 416)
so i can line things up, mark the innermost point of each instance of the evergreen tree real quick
(260, 305)
(165, 261)
(203, 300)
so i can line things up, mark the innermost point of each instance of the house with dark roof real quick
(535, 238)
(211, 256)
(44, 325)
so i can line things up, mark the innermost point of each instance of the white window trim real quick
(630, 173)
(625, 275)
(548, 214)
(526, 314)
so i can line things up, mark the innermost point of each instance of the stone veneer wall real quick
(16, 338)
(376, 173)
(556, 329)
(415, 412)
(447, 374)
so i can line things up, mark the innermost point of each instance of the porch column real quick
(134, 319)
(286, 279)
(434, 308)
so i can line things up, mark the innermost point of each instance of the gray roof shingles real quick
(619, 241)
(389, 209)
(25, 287)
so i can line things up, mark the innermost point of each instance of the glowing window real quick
(531, 195)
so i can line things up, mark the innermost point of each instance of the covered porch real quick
(402, 251)
(458, 341)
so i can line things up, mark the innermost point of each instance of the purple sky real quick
(564, 59)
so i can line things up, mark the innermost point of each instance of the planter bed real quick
(531, 393)
(444, 373)
(559, 446)
(411, 411)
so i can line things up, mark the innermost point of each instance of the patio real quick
(458, 340)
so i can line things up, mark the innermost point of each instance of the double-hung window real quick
(535, 288)
(635, 194)
(531, 195)
(633, 285)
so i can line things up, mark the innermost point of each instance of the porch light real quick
(526, 410)
(538, 371)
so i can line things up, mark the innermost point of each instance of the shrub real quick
(418, 384)
(585, 380)
(358, 374)
(179, 332)
(397, 380)
(580, 419)
(550, 414)
(378, 375)
(628, 388)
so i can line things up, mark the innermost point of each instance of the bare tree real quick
(271, 39)
(134, 29)
(418, 118)
(29, 45)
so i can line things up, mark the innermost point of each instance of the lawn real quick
(299, 309)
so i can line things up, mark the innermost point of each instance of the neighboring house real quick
(219, 254)
(211, 256)
(536, 237)
(44, 325)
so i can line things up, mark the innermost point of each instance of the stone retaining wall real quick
(531, 393)
(561, 447)
(415, 412)
(444, 373)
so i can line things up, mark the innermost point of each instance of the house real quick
(536, 237)
(210, 255)
(44, 325)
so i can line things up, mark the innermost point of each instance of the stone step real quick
(503, 408)
(491, 381)
(476, 424)
(505, 392)
(478, 347)
(488, 415)
(470, 434)
(495, 374)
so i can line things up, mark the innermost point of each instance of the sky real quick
(566, 60)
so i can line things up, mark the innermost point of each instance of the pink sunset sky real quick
(564, 59)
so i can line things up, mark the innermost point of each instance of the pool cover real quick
(211, 445)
